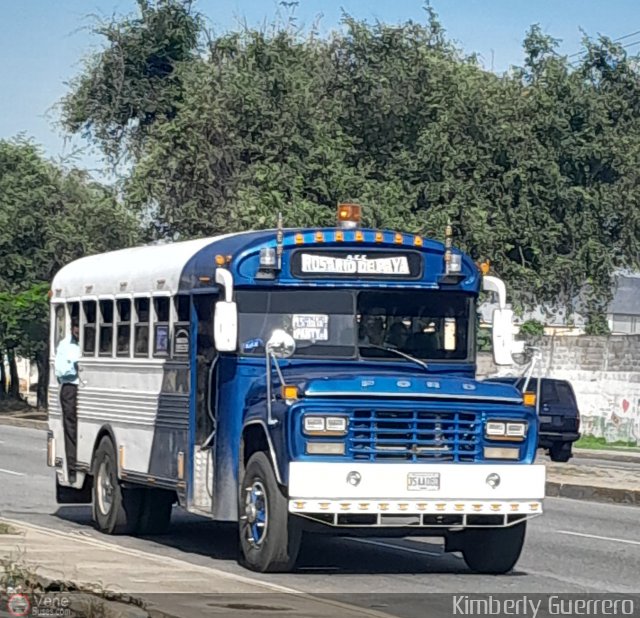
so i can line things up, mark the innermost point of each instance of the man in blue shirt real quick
(66, 366)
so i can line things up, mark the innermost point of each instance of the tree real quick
(537, 169)
(48, 217)
(133, 84)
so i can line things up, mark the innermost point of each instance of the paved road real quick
(575, 547)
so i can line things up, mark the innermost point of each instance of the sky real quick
(43, 42)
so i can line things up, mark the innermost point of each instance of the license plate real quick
(423, 481)
(546, 419)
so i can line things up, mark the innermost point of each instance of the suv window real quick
(555, 391)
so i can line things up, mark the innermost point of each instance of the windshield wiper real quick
(398, 352)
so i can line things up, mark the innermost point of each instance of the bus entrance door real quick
(205, 424)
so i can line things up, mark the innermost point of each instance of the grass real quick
(592, 442)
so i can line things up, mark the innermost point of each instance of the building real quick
(623, 314)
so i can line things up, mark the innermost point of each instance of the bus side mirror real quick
(502, 335)
(225, 326)
(281, 344)
(225, 317)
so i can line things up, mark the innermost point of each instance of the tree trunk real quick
(43, 377)
(14, 385)
(3, 376)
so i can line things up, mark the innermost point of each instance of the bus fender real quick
(255, 438)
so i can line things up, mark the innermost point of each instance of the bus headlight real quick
(505, 430)
(325, 425)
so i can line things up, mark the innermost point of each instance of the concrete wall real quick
(605, 374)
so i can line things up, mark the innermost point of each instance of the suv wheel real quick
(561, 451)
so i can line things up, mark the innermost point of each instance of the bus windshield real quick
(347, 323)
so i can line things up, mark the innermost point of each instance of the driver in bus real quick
(66, 367)
(372, 329)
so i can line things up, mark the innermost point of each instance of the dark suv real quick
(557, 412)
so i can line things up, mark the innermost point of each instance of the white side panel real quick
(389, 481)
(125, 395)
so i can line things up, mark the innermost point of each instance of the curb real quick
(592, 493)
(606, 455)
(24, 422)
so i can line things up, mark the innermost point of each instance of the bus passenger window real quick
(161, 329)
(89, 329)
(60, 328)
(106, 328)
(141, 333)
(123, 334)
(180, 336)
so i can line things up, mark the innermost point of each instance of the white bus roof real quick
(139, 270)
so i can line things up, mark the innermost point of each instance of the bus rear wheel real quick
(269, 536)
(116, 509)
(493, 551)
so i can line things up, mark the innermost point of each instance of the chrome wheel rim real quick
(256, 514)
(105, 488)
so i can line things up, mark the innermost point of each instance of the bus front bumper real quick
(433, 495)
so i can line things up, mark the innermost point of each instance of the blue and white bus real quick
(296, 380)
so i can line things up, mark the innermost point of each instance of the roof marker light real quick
(378, 236)
(359, 236)
(454, 264)
(267, 268)
(349, 215)
(319, 237)
(299, 239)
(417, 241)
(339, 235)
(398, 238)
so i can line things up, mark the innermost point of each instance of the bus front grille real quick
(415, 435)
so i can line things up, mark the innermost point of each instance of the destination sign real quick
(376, 264)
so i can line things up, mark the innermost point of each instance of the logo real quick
(18, 605)
(469, 387)
(433, 384)
(366, 383)
(354, 478)
(403, 383)
(355, 264)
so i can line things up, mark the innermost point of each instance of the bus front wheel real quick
(116, 510)
(269, 536)
(493, 551)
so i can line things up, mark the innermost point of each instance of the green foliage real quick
(532, 328)
(537, 169)
(483, 340)
(133, 83)
(48, 217)
(597, 325)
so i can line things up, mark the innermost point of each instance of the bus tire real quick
(269, 536)
(116, 509)
(493, 551)
(155, 514)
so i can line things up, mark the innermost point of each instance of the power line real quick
(620, 38)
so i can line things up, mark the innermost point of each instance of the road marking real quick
(601, 538)
(76, 538)
(411, 550)
(12, 472)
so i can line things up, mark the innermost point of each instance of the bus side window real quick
(89, 330)
(181, 331)
(61, 325)
(141, 331)
(106, 328)
(161, 328)
(123, 331)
